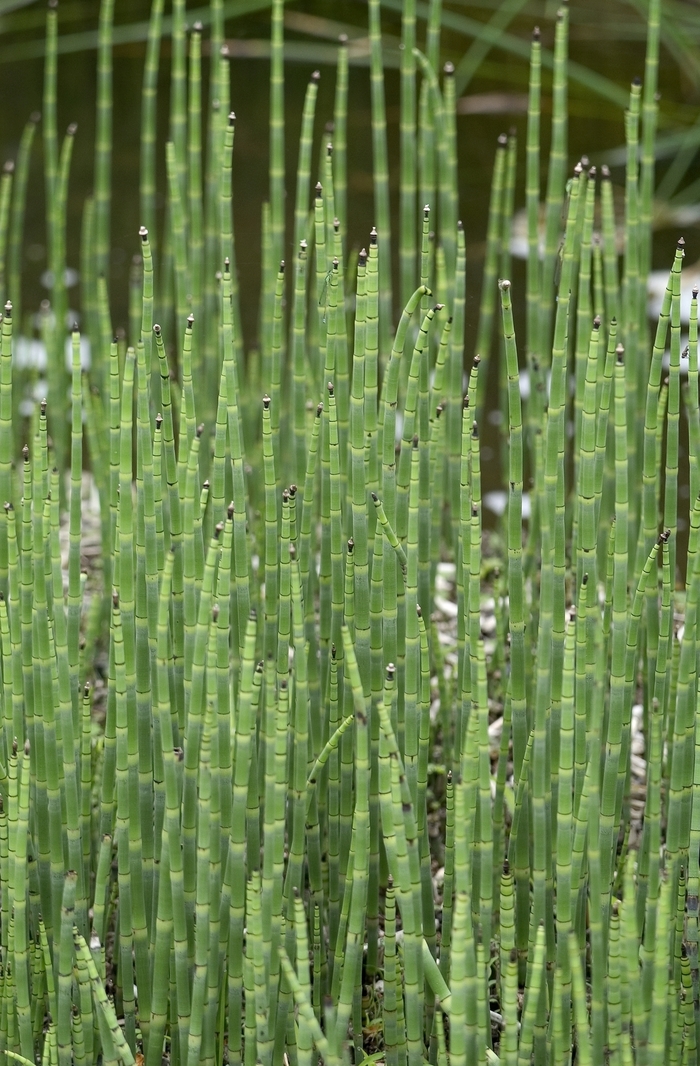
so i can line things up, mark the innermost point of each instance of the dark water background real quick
(607, 37)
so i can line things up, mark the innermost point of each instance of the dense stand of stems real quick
(225, 752)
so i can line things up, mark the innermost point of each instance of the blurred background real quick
(488, 42)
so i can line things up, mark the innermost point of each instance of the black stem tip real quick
(536, 34)
(229, 510)
(596, 322)
(156, 329)
(200, 429)
(448, 69)
(475, 431)
(266, 402)
(331, 388)
(415, 440)
(351, 545)
(143, 234)
(681, 242)
(159, 420)
(190, 321)
(620, 353)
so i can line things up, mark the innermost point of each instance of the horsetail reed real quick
(306, 761)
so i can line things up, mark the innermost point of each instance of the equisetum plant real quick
(360, 781)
